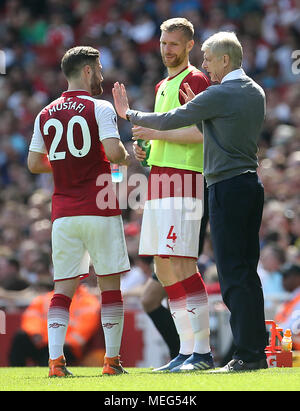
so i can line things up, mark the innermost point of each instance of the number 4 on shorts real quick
(172, 236)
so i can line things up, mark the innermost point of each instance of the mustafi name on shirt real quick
(67, 105)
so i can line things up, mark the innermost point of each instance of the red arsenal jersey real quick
(190, 184)
(70, 131)
(197, 80)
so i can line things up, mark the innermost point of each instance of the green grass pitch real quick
(142, 379)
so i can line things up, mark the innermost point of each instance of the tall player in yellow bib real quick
(170, 231)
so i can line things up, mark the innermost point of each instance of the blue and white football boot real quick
(176, 362)
(196, 362)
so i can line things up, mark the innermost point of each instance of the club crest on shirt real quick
(109, 325)
(56, 325)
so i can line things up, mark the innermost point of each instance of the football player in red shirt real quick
(176, 263)
(76, 137)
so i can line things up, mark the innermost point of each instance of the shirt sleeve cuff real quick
(130, 114)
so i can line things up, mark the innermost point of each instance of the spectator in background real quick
(272, 258)
(133, 282)
(295, 226)
(10, 275)
(288, 314)
(31, 341)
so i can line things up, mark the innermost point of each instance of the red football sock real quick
(58, 320)
(112, 318)
(197, 307)
(177, 302)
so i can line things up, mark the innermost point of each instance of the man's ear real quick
(86, 70)
(226, 60)
(190, 45)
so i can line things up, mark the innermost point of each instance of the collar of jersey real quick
(171, 78)
(73, 93)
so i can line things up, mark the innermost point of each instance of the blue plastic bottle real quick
(116, 173)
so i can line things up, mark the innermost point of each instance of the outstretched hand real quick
(120, 99)
(188, 95)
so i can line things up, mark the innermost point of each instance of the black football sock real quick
(164, 323)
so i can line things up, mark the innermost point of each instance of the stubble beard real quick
(96, 86)
(175, 62)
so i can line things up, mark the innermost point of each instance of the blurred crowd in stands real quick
(34, 34)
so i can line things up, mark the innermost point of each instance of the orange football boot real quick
(112, 366)
(57, 367)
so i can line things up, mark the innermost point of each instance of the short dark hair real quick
(76, 58)
(290, 269)
(179, 23)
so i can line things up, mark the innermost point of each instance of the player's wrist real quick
(126, 160)
(156, 135)
(129, 113)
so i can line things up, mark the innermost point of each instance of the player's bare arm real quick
(115, 151)
(38, 163)
(188, 135)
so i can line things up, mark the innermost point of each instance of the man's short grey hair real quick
(225, 42)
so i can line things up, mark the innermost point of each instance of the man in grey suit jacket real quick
(231, 115)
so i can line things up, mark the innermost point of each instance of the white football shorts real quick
(79, 240)
(171, 227)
